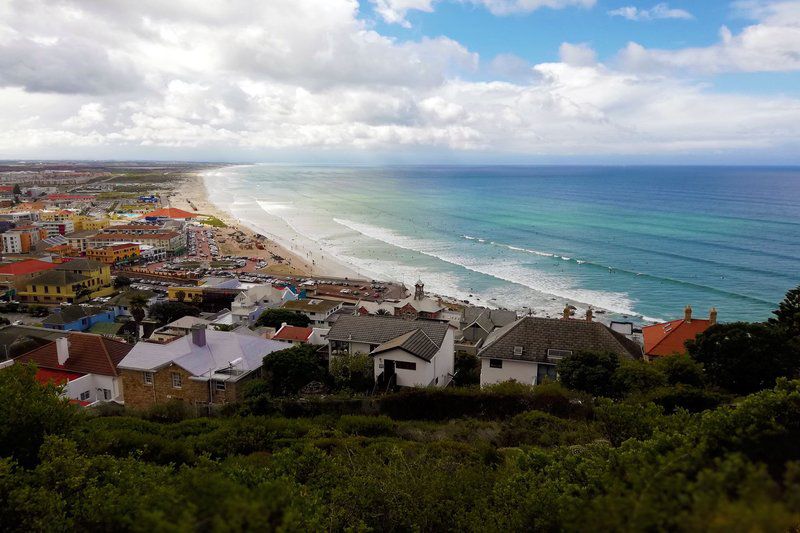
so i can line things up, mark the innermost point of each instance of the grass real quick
(213, 221)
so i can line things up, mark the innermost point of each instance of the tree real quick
(589, 372)
(788, 313)
(166, 312)
(743, 357)
(180, 296)
(30, 411)
(17, 191)
(681, 369)
(289, 370)
(137, 304)
(274, 318)
(467, 369)
(632, 377)
(355, 372)
(121, 281)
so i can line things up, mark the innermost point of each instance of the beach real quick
(238, 238)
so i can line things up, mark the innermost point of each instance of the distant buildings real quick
(70, 282)
(318, 311)
(78, 317)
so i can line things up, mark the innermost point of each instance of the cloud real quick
(770, 45)
(311, 76)
(658, 11)
(395, 11)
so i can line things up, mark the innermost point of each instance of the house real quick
(77, 317)
(670, 338)
(17, 340)
(122, 301)
(295, 335)
(529, 349)
(163, 241)
(412, 307)
(169, 213)
(17, 274)
(204, 368)
(69, 282)
(318, 311)
(410, 353)
(178, 328)
(22, 239)
(476, 323)
(84, 363)
(112, 254)
(247, 306)
(57, 227)
(80, 239)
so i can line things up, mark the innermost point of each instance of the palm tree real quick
(136, 304)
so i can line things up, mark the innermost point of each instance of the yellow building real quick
(69, 282)
(185, 294)
(114, 253)
(83, 223)
(56, 216)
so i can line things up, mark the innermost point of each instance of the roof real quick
(115, 246)
(223, 350)
(134, 236)
(88, 354)
(123, 299)
(375, 329)
(538, 335)
(70, 313)
(16, 340)
(311, 306)
(82, 234)
(486, 318)
(169, 212)
(130, 227)
(187, 322)
(57, 277)
(670, 337)
(415, 342)
(69, 197)
(106, 328)
(29, 266)
(81, 264)
(293, 333)
(58, 377)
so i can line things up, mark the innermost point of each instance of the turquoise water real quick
(636, 241)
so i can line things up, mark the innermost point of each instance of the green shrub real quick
(366, 426)
(632, 377)
(536, 428)
(681, 369)
(692, 399)
(620, 421)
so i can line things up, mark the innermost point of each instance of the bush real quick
(354, 372)
(681, 369)
(536, 428)
(274, 318)
(620, 421)
(166, 312)
(366, 426)
(287, 371)
(692, 399)
(589, 372)
(467, 370)
(636, 377)
(173, 411)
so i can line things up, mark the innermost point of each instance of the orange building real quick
(670, 338)
(115, 253)
(22, 239)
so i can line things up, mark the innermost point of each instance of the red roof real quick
(169, 212)
(29, 266)
(669, 338)
(293, 333)
(6, 188)
(58, 377)
(88, 354)
(69, 197)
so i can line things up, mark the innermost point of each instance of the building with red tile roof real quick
(669, 338)
(293, 334)
(17, 274)
(88, 363)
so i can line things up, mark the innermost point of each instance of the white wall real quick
(92, 382)
(421, 377)
(520, 371)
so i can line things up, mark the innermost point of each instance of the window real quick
(404, 365)
(517, 350)
(495, 363)
(106, 394)
(147, 377)
(176, 380)
(545, 373)
(85, 396)
(558, 354)
(219, 385)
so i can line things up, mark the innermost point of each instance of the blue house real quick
(78, 317)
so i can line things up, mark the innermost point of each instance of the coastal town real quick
(122, 287)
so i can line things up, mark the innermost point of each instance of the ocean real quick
(636, 242)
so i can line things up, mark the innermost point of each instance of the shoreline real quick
(191, 195)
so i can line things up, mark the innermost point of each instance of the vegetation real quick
(121, 282)
(274, 318)
(166, 312)
(287, 371)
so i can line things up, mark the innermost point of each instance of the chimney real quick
(687, 314)
(62, 350)
(589, 315)
(712, 316)
(567, 312)
(199, 334)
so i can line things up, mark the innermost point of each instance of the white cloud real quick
(213, 78)
(658, 11)
(395, 11)
(770, 45)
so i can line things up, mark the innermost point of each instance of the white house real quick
(86, 364)
(317, 310)
(528, 350)
(250, 303)
(410, 353)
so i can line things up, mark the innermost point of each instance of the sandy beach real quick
(240, 240)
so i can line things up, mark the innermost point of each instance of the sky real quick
(402, 81)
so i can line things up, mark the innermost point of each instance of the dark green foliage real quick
(787, 315)
(38, 311)
(274, 318)
(536, 428)
(622, 421)
(632, 377)
(121, 281)
(681, 369)
(743, 358)
(29, 412)
(692, 399)
(354, 372)
(467, 369)
(589, 372)
(166, 312)
(287, 371)
(366, 426)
